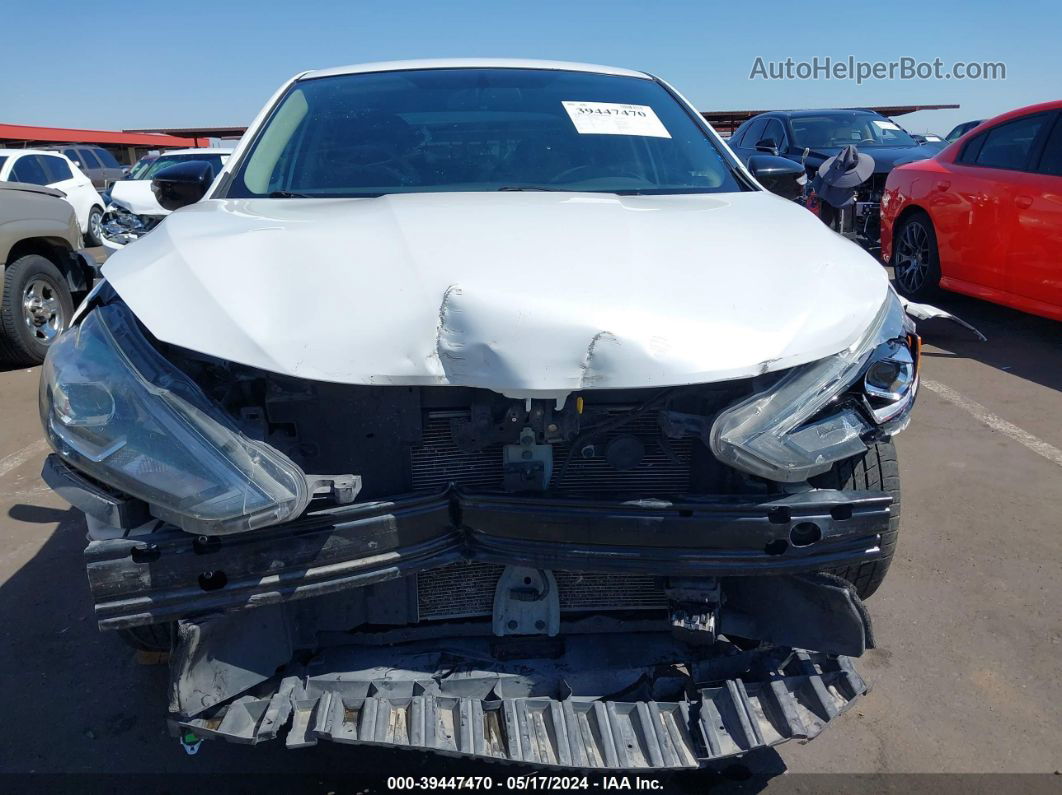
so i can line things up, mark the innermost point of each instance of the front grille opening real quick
(466, 590)
(664, 470)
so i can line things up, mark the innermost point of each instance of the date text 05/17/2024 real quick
(529, 783)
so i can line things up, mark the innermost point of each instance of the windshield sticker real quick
(607, 118)
(886, 125)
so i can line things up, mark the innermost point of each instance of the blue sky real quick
(145, 65)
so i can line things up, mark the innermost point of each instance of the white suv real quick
(56, 170)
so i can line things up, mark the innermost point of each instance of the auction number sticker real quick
(607, 118)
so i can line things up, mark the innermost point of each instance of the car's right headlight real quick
(827, 410)
(115, 409)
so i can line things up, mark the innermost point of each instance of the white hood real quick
(135, 195)
(526, 294)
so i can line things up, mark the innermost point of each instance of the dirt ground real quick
(966, 678)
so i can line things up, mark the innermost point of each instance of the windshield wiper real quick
(529, 187)
(287, 194)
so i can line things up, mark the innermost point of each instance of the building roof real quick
(232, 131)
(31, 134)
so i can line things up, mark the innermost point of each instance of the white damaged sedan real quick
(491, 408)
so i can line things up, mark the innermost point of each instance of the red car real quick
(984, 216)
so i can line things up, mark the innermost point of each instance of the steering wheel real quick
(561, 177)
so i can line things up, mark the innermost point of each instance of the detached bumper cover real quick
(769, 697)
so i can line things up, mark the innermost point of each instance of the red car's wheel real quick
(915, 260)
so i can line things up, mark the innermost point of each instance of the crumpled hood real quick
(135, 196)
(526, 294)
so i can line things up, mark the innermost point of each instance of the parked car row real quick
(981, 219)
(49, 209)
(55, 170)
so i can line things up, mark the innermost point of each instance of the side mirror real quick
(779, 175)
(182, 184)
(768, 145)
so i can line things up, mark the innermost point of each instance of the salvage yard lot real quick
(966, 676)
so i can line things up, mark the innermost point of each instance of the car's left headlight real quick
(827, 410)
(113, 407)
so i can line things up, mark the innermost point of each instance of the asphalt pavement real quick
(966, 678)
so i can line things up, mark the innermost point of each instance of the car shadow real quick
(37, 514)
(87, 709)
(1024, 345)
(10, 367)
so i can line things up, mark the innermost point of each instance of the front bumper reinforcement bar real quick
(168, 574)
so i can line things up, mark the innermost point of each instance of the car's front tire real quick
(35, 309)
(94, 233)
(915, 257)
(877, 470)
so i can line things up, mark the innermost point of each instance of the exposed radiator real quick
(465, 590)
(437, 462)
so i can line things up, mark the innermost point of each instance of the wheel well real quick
(907, 212)
(55, 250)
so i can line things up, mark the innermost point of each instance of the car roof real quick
(796, 114)
(9, 152)
(820, 111)
(471, 63)
(205, 150)
(1037, 108)
(1040, 107)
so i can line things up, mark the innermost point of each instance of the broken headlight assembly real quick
(115, 409)
(827, 410)
(121, 227)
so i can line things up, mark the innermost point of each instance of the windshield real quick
(437, 130)
(961, 130)
(832, 130)
(149, 169)
(139, 166)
